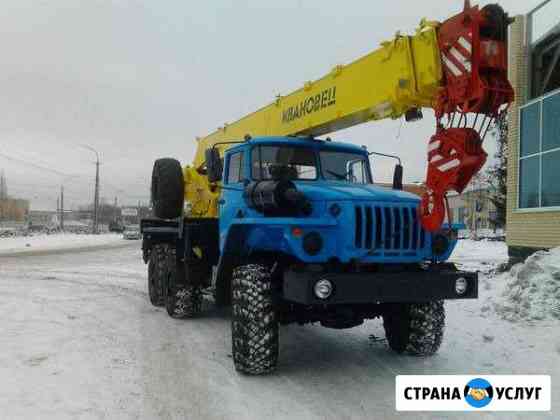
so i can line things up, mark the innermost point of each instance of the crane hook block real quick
(455, 155)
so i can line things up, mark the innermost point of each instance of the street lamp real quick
(96, 193)
(61, 215)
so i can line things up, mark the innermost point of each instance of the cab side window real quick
(357, 172)
(235, 168)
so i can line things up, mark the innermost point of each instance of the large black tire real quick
(181, 299)
(415, 328)
(168, 188)
(156, 274)
(254, 328)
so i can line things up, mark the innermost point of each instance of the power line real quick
(34, 165)
(75, 192)
(82, 180)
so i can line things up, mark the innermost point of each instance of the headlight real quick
(312, 243)
(335, 210)
(461, 285)
(323, 289)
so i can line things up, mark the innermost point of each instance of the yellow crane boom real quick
(402, 74)
(455, 67)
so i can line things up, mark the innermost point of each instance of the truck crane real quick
(288, 228)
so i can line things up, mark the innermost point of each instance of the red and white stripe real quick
(441, 162)
(458, 59)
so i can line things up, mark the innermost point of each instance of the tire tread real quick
(254, 321)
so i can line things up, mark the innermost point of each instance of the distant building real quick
(43, 218)
(533, 202)
(474, 208)
(11, 209)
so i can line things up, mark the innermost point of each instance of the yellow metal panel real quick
(201, 196)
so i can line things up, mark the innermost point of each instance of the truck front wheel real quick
(415, 328)
(254, 329)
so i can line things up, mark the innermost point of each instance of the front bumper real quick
(404, 286)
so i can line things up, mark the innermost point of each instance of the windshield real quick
(344, 166)
(283, 162)
(300, 163)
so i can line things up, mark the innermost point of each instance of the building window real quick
(478, 206)
(539, 145)
(461, 215)
(481, 223)
(543, 40)
(530, 128)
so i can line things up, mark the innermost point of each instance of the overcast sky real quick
(138, 80)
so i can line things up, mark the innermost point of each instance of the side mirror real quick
(398, 177)
(214, 165)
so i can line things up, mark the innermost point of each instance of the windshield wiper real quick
(337, 175)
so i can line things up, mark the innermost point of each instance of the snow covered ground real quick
(79, 339)
(479, 255)
(47, 243)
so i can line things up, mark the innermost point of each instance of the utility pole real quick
(3, 186)
(96, 193)
(62, 207)
(96, 200)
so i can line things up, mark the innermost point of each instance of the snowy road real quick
(47, 244)
(80, 340)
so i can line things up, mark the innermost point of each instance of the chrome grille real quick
(388, 228)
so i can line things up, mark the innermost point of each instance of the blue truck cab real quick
(347, 218)
(303, 235)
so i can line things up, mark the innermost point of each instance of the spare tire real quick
(168, 188)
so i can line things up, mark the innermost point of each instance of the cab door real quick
(231, 203)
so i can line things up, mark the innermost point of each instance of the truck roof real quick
(304, 141)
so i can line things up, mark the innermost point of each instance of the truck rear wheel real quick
(415, 328)
(156, 274)
(168, 188)
(182, 300)
(254, 327)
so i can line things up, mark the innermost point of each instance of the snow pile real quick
(61, 241)
(530, 291)
(498, 234)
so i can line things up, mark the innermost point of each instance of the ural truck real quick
(287, 227)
